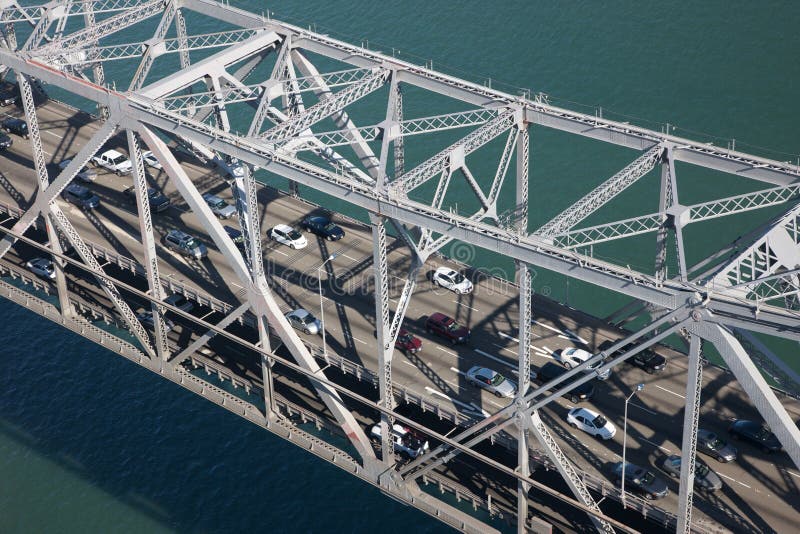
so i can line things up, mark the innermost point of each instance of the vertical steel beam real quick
(691, 415)
(399, 143)
(266, 369)
(97, 69)
(524, 374)
(44, 181)
(140, 186)
(523, 163)
(385, 343)
(150, 54)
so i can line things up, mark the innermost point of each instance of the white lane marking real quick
(362, 342)
(547, 349)
(743, 484)
(456, 371)
(504, 348)
(793, 474)
(657, 445)
(53, 134)
(503, 334)
(566, 333)
(668, 391)
(409, 363)
(469, 307)
(539, 350)
(643, 408)
(479, 409)
(726, 476)
(447, 351)
(348, 257)
(573, 335)
(432, 391)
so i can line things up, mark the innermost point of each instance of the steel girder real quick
(691, 416)
(30, 14)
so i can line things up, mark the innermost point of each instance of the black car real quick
(236, 236)
(15, 126)
(323, 227)
(641, 480)
(8, 96)
(158, 202)
(80, 196)
(648, 361)
(5, 142)
(551, 371)
(756, 434)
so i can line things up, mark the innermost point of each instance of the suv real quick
(8, 96)
(113, 161)
(16, 126)
(5, 142)
(551, 371)
(219, 207)
(80, 196)
(406, 441)
(158, 202)
(442, 325)
(185, 244)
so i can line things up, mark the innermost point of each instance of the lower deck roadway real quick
(761, 490)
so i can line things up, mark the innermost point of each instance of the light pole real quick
(321, 305)
(639, 387)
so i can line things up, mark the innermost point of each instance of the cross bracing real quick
(380, 182)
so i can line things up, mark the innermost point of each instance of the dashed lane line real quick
(671, 392)
(362, 342)
(504, 348)
(512, 338)
(657, 445)
(468, 307)
(482, 353)
(643, 408)
(451, 353)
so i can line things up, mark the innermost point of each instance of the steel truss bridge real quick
(304, 124)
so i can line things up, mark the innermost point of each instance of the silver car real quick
(219, 207)
(491, 381)
(704, 477)
(303, 321)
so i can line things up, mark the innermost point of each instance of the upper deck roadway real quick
(760, 491)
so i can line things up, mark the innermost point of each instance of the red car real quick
(407, 342)
(441, 324)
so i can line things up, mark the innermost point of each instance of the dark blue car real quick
(323, 227)
(756, 434)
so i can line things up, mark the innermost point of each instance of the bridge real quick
(283, 123)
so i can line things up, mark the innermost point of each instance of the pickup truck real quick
(113, 161)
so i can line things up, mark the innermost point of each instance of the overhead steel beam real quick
(149, 54)
(31, 14)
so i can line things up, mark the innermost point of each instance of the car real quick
(323, 227)
(8, 96)
(180, 302)
(16, 126)
(303, 321)
(444, 326)
(42, 267)
(114, 161)
(219, 207)
(709, 443)
(551, 371)
(5, 142)
(572, 357)
(452, 280)
(157, 200)
(755, 433)
(641, 480)
(185, 244)
(491, 381)
(84, 175)
(283, 233)
(704, 477)
(591, 422)
(80, 196)
(236, 236)
(150, 160)
(406, 441)
(407, 342)
(648, 361)
(147, 320)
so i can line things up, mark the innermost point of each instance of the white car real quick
(406, 441)
(283, 233)
(84, 175)
(114, 161)
(591, 422)
(572, 357)
(452, 280)
(303, 321)
(150, 159)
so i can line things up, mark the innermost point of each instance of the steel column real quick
(691, 416)
(522, 186)
(524, 376)
(141, 187)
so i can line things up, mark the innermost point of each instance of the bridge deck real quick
(760, 492)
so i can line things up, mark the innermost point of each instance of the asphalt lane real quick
(760, 489)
